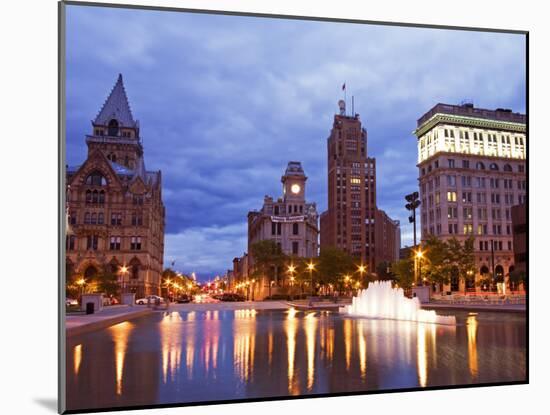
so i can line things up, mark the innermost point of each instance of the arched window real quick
(88, 196)
(480, 165)
(95, 196)
(134, 268)
(112, 157)
(94, 218)
(507, 167)
(87, 218)
(101, 197)
(100, 219)
(484, 270)
(113, 128)
(96, 179)
(493, 166)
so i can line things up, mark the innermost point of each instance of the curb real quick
(107, 322)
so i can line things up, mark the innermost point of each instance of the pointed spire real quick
(116, 107)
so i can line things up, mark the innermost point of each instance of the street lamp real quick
(123, 271)
(311, 267)
(291, 269)
(80, 282)
(419, 256)
(362, 269)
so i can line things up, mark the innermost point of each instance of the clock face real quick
(295, 188)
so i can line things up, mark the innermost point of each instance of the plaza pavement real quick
(80, 323)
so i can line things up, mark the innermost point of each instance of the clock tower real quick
(294, 183)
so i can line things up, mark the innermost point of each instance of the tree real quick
(333, 265)
(268, 258)
(383, 271)
(444, 259)
(403, 271)
(519, 277)
(107, 283)
(436, 264)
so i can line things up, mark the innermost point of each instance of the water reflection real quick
(291, 326)
(347, 341)
(422, 358)
(244, 334)
(362, 349)
(472, 345)
(170, 338)
(205, 355)
(77, 358)
(310, 327)
(120, 334)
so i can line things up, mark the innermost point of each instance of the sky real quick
(224, 102)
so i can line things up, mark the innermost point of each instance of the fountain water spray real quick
(380, 300)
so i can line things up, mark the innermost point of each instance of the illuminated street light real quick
(419, 255)
(362, 269)
(311, 267)
(123, 271)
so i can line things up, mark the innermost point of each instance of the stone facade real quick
(290, 222)
(471, 165)
(114, 205)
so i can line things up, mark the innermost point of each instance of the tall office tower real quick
(471, 164)
(348, 223)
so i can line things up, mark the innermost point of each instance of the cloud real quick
(225, 102)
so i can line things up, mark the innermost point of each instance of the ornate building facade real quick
(471, 164)
(290, 221)
(115, 209)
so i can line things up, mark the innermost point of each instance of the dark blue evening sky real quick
(225, 102)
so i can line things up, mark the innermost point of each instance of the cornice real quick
(469, 122)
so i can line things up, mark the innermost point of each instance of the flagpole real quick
(345, 99)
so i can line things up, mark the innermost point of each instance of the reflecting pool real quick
(192, 356)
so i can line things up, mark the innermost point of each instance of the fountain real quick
(382, 301)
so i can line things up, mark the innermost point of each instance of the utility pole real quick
(411, 206)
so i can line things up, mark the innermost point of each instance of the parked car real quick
(110, 301)
(70, 302)
(152, 299)
(232, 297)
(182, 299)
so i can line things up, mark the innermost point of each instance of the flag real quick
(344, 86)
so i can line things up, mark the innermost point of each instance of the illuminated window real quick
(451, 196)
(355, 180)
(468, 229)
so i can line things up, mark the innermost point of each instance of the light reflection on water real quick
(120, 334)
(195, 356)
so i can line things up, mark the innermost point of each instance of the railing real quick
(481, 298)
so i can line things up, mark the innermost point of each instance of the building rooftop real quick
(468, 110)
(116, 107)
(294, 168)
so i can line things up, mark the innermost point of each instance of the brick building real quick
(349, 223)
